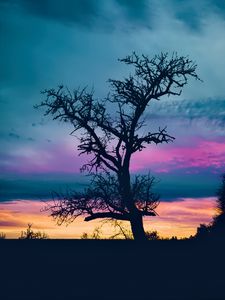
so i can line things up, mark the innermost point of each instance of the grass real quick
(101, 269)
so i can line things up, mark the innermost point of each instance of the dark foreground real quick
(82, 269)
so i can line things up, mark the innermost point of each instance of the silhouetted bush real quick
(96, 234)
(84, 236)
(2, 235)
(215, 229)
(152, 235)
(29, 234)
(203, 231)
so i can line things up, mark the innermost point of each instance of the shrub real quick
(29, 234)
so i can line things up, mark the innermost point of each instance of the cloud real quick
(68, 10)
(7, 223)
(136, 10)
(95, 14)
(14, 135)
(47, 158)
(39, 186)
(179, 218)
(209, 111)
(170, 186)
(193, 13)
(89, 14)
(197, 154)
(30, 139)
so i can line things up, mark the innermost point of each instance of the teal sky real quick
(45, 43)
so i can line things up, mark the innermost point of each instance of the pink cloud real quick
(200, 154)
(64, 158)
(52, 159)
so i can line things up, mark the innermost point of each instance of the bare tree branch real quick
(108, 215)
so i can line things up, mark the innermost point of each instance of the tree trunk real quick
(136, 219)
(137, 227)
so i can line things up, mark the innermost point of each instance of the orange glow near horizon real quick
(179, 218)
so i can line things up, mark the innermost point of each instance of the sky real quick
(77, 43)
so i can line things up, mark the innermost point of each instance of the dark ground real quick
(88, 269)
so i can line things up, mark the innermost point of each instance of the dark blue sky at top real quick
(46, 42)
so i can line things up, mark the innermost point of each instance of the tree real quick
(221, 196)
(216, 228)
(111, 132)
(218, 224)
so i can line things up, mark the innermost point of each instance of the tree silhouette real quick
(216, 228)
(203, 231)
(110, 131)
(218, 224)
(221, 196)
